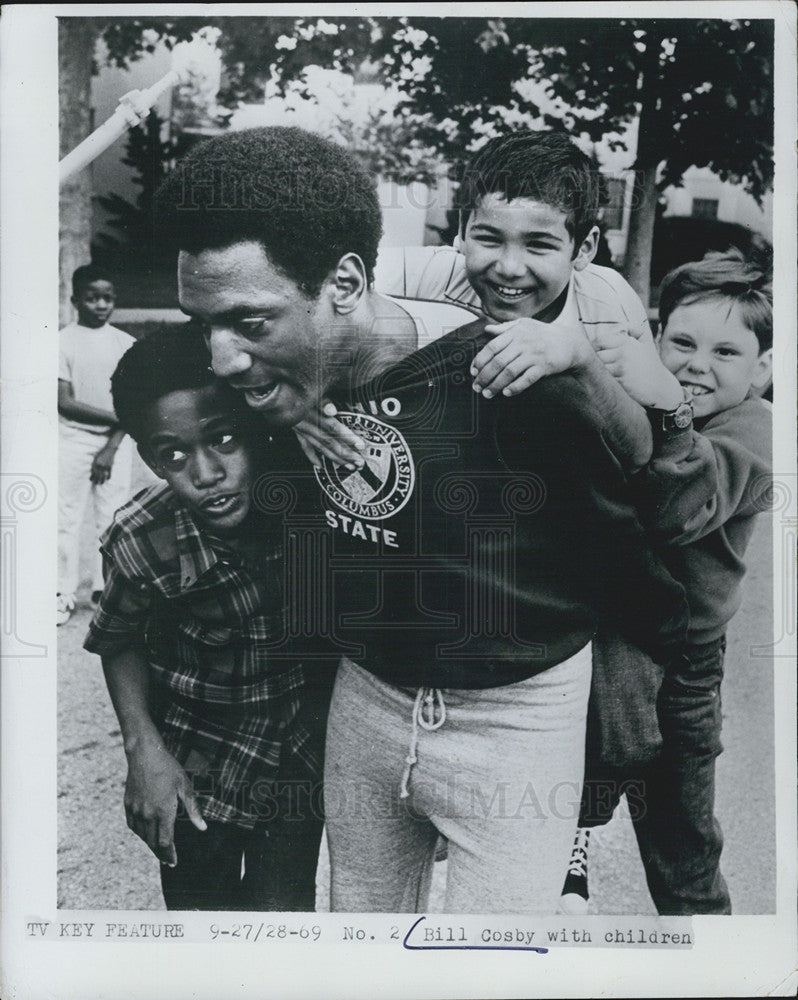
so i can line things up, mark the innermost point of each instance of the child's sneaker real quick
(65, 605)
(573, 900)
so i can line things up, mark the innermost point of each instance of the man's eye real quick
(251, 328)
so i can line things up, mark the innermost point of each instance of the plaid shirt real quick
(211, 624)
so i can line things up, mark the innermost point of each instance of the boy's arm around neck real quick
(525, 350)
(698, 479)
(626, 428)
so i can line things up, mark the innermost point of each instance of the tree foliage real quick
(701, 89)
(706, 87)
(129, 38)
(708, 81)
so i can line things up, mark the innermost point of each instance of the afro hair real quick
(306, 201)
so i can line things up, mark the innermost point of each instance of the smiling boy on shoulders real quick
(529, 205)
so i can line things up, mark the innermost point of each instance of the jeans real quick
(280, 854)
(672, 800)
(280, 858)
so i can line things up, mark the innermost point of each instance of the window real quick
(705, 208)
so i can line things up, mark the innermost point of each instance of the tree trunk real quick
(76, 41)
(637, 261)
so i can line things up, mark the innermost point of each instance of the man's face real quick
(519, 257)
(267, 338)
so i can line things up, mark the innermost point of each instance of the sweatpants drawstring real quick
(427, 699)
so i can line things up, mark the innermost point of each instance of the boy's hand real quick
(635, 363)
(523, 351)
(155, 782)
(102, 464)
(322, 434)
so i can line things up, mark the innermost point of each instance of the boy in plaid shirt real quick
(215, 713)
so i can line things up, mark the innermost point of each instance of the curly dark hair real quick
(732, 275)
(83, 276)
(543, 166)
(306, 200)
(167, 360)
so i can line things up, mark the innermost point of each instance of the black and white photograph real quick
(399, 500)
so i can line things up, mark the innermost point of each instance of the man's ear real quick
(586, 250)
(764, 370)
(149, 461)
(348, 283)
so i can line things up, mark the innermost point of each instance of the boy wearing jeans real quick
(707, 481)
(214, 714)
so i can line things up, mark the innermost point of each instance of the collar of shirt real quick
(196, 556)
(570, 314)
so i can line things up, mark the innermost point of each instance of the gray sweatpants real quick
(498, 772)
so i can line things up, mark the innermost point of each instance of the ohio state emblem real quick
(384, 484)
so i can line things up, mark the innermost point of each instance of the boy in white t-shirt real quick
(94, 455)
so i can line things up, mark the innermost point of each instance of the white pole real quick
(132, 110)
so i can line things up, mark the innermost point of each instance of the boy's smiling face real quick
(519, 257)
(195, 442)
(95, 303)
(713, 354)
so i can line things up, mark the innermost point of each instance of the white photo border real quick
(739, 955)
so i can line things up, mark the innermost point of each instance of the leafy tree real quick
(702, 89)
(127, 39)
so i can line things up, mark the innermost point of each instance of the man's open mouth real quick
(262, 394)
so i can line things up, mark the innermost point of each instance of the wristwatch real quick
(671, 421)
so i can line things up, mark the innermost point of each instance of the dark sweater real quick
(487, 539)
(707, 485)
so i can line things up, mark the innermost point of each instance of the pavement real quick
(103, 865)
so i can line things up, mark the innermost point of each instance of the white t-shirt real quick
(435, 319)
(87, 359)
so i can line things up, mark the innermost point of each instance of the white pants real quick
(76, 451)
(497, 771)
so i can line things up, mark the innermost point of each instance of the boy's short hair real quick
(543, 166)
(167, 360)
(83, 276)
(306, 201)
(730, 275)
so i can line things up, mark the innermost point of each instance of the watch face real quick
(683, 416)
